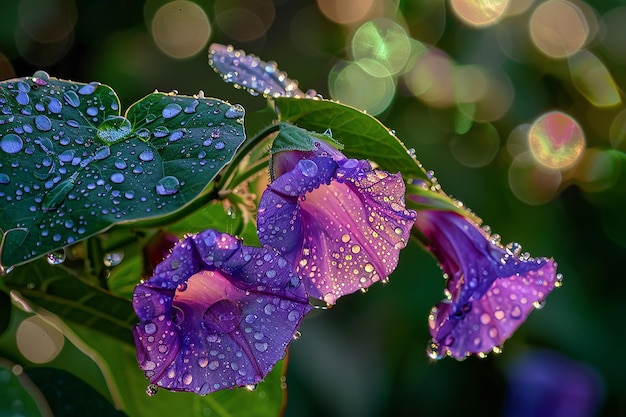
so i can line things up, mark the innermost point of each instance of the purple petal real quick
(340, 222)
(490, 290)
(249, 72)
(216, 314)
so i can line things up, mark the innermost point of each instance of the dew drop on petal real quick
(187, 378)
(150, 328)
(308, 167)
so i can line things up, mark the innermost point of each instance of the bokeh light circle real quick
(556, 140)
(384, 41)
(477, 147)
(47, 21)
(345, 12)
(479, 12)
(181, 29)
(38, 341)
(532, 183)
(346, 83)
(431, 78)
(558, 28)
(244, 20)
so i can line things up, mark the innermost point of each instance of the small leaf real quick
(71, 166)
(249, 72)
(362, 135)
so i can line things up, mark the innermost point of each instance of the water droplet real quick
(71, 98)
(151, 390)
(191, 107)
(120, 164)
(117, 178)
(43, 123)
(11, 143)
(219, 145)
(168, 185)
(41, 77)
(102, 152)
(56, 258)
(67, 156)
(251, 387)
(171, 110)
(160, 132)
(88, 89)
(308, 167)
(187, 378)
(143, 133)
(150, 328)
(22, 98)
(260, 346)
(113, 129)
(130, 194)
(92, 111)
(54, 105)
(4, 179)
(234, 112)
(146, 156)
(176, 135)
(113, 258)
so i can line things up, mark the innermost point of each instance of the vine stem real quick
(242, 152)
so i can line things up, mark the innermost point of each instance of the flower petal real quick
(341, 223)
(227, 320)
(490, 290)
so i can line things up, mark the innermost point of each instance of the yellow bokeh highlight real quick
(558, 28)
(38, 341)
(556, 140)
(593, 80)
(345, 12)
(181, 29)
(479, 13)
(431, 78)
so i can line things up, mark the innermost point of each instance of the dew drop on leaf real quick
(11, 143)
(168, 185)
(113, 129)
(171, 110)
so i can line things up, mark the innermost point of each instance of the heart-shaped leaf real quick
(71, 166)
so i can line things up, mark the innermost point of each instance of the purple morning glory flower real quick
(341, 222)
(490, 289)
(216, 314)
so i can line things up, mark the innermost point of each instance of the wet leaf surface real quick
(71, 166)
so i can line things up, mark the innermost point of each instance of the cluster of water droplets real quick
(253, 74)
(70, 162)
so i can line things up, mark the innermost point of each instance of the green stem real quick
(245, 149)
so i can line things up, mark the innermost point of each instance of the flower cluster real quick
(217, 314)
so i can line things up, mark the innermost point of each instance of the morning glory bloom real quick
(216, 314)
(338, 220)
(490, 289)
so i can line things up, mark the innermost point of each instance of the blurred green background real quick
(515, 105)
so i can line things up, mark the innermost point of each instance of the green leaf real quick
(71, 166)
(265, 400)
(59, 291)
(363, 136)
